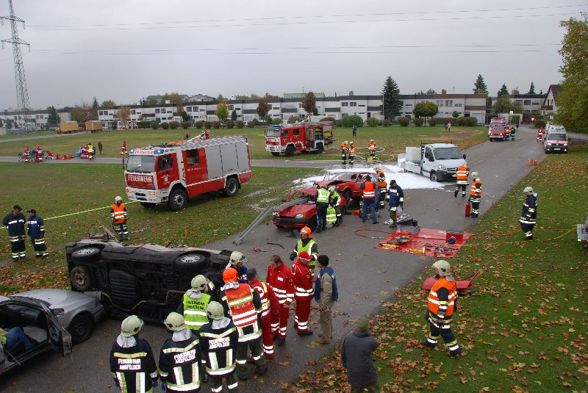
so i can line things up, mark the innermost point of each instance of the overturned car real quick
(148, 280)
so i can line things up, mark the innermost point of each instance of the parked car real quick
(148, 279)
(555, 142)
(303, 211)
(50, 318)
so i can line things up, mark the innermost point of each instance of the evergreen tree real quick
(391, 99)
(94, 111)
(480, 86)
(503, 92)
(532, 89)
(52, 119)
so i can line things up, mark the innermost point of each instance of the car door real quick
(428, 160)
(58, 336)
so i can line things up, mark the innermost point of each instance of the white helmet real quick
(528, 190)
(118, 198)
(236, 257)
(215, 310)
(131, 326)
(332, 188)
(175, 322)
(475, 175)
(442, 267)
(199, 283)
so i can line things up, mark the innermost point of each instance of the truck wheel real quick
(275, 154)
(434, 176)
(148, 205)
(80, 278)
(177, 199)
(231, 187)
(289, 151)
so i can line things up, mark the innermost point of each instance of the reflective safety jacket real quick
(310, 247)
(179, 365)
(334, 198)
(280, 282)
(265, 293)
(351, 150)
(322, 195)
(442, 298)
(243, 305)
(36, 227)
(395, 195)
(118, 213)
(369, 190)
(302, 280)
(195, 310)
(529, 212)
(462, 174)
(372, 147)
(475, 192)
(331, 215)
(218, 345)
(133, 368)
(15, 224)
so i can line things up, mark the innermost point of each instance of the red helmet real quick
(306, 230)
(230, 275)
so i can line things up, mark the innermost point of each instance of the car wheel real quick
(289, 151)
(148, 205)
(275, 154)
(434, 176)
(80, 278)
(86, 253)
(81, 327)
(312, 223)
(191, 262)
(231, 187)
(177, 199)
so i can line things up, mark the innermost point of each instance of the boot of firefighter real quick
(393, 217)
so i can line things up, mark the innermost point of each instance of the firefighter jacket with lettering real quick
(395, 196)
(280, 281)
(476, 190)
(243, 305)
(118, 213)
(15, 223)
(265, 293)
(529, 212)
(302, 280)
(179, 363)
(194, 306)
(218, 343)
(442, 300)
(36, 227)
(133, 368)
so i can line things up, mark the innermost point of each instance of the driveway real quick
(366, 276)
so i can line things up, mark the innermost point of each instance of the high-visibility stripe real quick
(181, 350)
(129, 355)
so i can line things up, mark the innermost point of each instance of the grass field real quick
(392, 139)
(56, 190)
(525, 328)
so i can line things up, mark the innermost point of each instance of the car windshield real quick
(143, 164)
(272, 132)
(557, 137)
(447, 153)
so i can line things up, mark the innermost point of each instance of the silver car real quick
(50, 319)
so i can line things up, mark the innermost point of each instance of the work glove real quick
(293, 255)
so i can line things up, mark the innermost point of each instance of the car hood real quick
(59, 298)
(292, 211)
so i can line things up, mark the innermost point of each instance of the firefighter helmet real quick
(332, 188)
(475, 175)
(236, 257)
(131, 326)
(528, 190)
(306, 231)
(230, 275)
(371, 140)
(442, 267)
(344, 142)
(351, 143)
(215, 310)
(199, 283)
(175, 322)
(117, 198)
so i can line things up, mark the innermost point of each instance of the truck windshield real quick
(447, 153)
(272, 132)
(143, 164)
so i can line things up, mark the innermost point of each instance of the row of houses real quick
(364, 106)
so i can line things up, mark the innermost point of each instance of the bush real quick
(174, 125)
(216, 125)
(373, 122)
(403, 121)
(250, 124)
(387, 123)
(165, 126)
(239, 124)
(277, 121)
(186, 125)
(540, 124)
(467, 121)
(254, 123)
(350, 121)
(433, 121)
(328, 118)
(418, 122)
(199, 124)
(230, 124)
(155, 125)
(207, 125)
(293, 119)
(143, 124)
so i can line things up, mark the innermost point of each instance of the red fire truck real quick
(303, 138)
(174, 172)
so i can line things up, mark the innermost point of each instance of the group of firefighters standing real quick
(348, 152)
(220, 327)
(16, 224)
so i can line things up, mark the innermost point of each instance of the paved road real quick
(366, 276)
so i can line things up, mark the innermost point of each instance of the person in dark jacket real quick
(15, 224)
(396, 202)
(529, 213)
(356, 357)
(36, 231)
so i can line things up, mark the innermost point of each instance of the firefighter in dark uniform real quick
(36, 231)
(475, 195)
(243, 304)
(395, 200)
(218, 342)
(382, 189)
(442, 304)
(119, 215)
(529, 213)
(179, 359)
(131, 360)
(15, 224)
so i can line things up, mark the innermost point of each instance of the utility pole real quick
(22, 94)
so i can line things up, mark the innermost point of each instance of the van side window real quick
(165, 162)
(428, 153)
(192, 157)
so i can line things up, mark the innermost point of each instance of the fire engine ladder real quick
(270, 209)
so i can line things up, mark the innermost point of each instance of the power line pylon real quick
(22, 94)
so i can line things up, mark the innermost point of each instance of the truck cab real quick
(303, 138)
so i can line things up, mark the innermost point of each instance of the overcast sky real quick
(127, 49)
